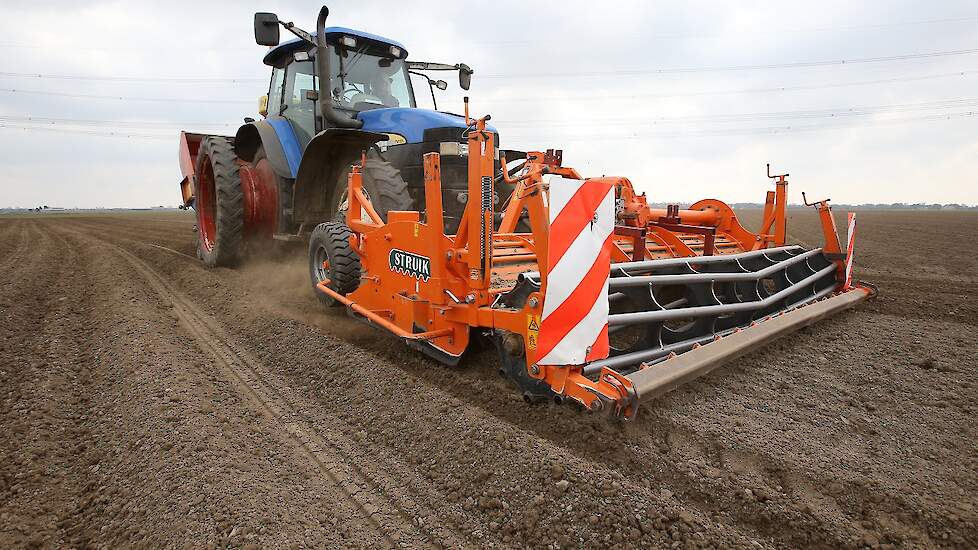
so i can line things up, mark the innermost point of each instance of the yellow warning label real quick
(532, 330)
(417, 229)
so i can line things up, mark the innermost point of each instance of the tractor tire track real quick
(152, 413)
(391, 514)
(854, 434)
(467, 390)
(23, 244)
(376, 464)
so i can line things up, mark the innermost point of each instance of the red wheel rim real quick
(206, 206)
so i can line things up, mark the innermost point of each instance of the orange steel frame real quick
(468, 270)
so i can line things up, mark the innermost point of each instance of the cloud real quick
(607, 120)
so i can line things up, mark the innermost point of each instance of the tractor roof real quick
(276, 54)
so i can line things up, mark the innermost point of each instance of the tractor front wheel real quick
(332, 258)
(383, 185)
(218, 202)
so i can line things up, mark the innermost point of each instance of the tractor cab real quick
(366, 72)
(336, 93)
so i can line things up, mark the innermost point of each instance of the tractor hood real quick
(411, 123)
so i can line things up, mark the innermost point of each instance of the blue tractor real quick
(282, 176)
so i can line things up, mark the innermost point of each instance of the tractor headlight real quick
(396, 52)
(348, 41)
(453, 148)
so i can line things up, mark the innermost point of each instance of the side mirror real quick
(266, 29)
(441, 84)
(464, 76)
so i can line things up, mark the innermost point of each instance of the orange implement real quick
(680, 291)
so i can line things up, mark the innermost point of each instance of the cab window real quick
(275, 91)
(296, 106)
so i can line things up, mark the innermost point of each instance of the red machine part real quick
(206, 206)
(259, 187)
(431, 289)
(189, 145)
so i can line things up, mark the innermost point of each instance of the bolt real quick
(533, 302)
(534, 369)
(469, 298)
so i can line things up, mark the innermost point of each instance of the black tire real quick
(383, 184)
(217, 166)
(330, 241)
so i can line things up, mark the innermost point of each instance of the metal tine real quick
(656, 354)
(625, 268)
(701, 277)
(671, 305)
(700, 311)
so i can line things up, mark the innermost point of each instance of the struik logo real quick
(410, 264)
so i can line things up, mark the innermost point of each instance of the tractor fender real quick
(330, 152)
(275, 134)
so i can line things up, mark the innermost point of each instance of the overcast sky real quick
(689, 100)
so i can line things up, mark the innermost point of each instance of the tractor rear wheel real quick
(383, 185)
(218, 202)
(332, 257)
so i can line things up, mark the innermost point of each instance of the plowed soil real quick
(148, 401)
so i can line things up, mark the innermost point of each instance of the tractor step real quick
(287, 237)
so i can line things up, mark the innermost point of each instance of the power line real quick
(115, 123)
(767, 130)
(881, 25)
(619, 135)
(781, 30)
(729, 68)
(622, 72)
(772, 89)
(526, 99)
(86, 132)
(844, 112)
(134, 78)
(840, 112)
(48, 46)
(126, 98)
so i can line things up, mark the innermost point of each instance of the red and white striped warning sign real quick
(574, 329)
(851, 239)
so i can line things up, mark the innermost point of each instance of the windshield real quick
(362, 81)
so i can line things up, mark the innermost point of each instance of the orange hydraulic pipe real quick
(377, 319)
(691, 217)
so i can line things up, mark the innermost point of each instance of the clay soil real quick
(146, 401)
